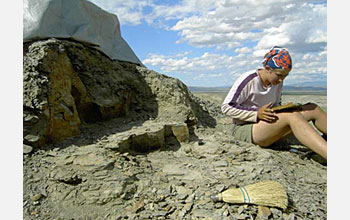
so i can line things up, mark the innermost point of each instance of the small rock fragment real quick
(27, 149)
(263, 212)
(36, 197)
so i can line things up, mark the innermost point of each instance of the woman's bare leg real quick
(312, 112)
(264, 134)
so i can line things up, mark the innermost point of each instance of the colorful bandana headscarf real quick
(278, 58)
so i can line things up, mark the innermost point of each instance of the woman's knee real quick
(312, 111)
(262, 142)
(264, 136)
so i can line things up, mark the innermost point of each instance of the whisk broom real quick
(266, 193)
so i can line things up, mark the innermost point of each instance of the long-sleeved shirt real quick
(247, 95)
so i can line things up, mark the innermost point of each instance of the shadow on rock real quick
(74, 94)
(68, 85)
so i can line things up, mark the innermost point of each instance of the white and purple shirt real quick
(247, 95)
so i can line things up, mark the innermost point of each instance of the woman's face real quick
(277, 76)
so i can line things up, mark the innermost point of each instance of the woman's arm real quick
(232, 104)
(234, 111)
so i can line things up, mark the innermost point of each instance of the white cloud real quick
(208, 76)
(205, 66)
(243, 50)
(128, 12)
(290, 23)
(247, 27)
(227, 24)
(224, 68)
(260, 53)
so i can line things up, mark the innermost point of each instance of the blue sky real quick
(210, 43)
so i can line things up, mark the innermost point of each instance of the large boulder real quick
(80, 20)
(67, 84)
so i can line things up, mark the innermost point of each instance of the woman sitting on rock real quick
(250, 100)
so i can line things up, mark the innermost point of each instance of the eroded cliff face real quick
(68, 84)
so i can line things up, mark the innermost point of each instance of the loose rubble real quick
(88, 179)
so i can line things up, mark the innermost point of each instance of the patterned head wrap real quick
(278, 58)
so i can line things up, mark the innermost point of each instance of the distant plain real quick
(295, 96)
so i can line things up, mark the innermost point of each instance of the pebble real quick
(241, 217)
(263, 212)
(159, 213)
(220, 187)
(32, 138)
(190, 199)
(241, 209)
(187, 207)
(187, 149)
(27, 149)
(276, 212)
(164, 179)
(181, 196)
(221, 164)
(288, 216)
(219, 205)
(36, 197)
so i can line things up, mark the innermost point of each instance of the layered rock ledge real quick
(68, 84)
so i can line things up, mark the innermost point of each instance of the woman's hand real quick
(267, 114)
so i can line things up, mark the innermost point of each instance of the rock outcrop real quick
(68, 84)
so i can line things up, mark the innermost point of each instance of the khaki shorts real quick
(242, 132)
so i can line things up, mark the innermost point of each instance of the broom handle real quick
(216, 197)
(245, 194)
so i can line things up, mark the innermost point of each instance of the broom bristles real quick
(267, 193)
